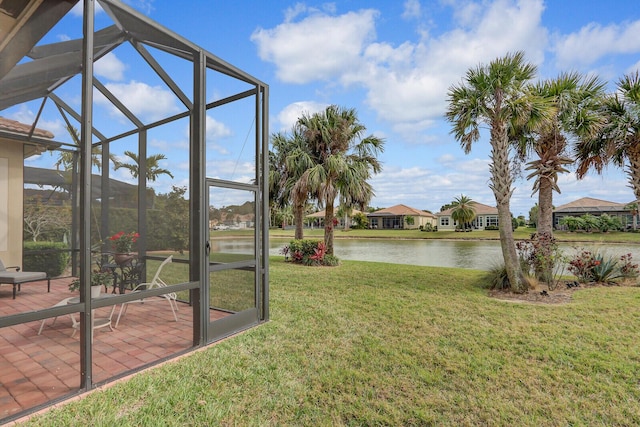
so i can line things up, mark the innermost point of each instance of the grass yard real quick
(385, 344)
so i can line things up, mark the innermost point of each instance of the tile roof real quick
(480, 209)
(590, 204)
(401, 210)
(320, 214)
(22, 129)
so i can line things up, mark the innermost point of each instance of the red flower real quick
(123, 242)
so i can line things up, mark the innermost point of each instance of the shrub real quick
(309, 252)
(50, 257)
(628, 269)
(590, 267)
(582, 265)
(542, 257)
(360, 221)
(331, 261)
(497, 277)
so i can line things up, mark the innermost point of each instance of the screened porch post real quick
(142, 195)
(86, 124)
(198, 257)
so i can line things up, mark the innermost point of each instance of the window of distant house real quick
(492, 220)
(479, 219)
(444, 220)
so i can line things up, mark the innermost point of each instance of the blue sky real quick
(393, 61)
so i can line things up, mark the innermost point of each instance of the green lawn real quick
(383, 344)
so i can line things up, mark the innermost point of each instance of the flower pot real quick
(123, 258)
(96, 291)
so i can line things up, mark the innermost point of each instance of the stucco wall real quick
(11, 193)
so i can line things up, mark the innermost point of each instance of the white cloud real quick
(317, 48)
(109, 66)
(595, 41)
(215, 131)
(290, 114)
(146, 102)
(232, 170)
(405, 85)
(412, 9)
(446, 159)
(633, 69)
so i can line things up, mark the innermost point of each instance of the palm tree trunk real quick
(545, 207)
(328, 226)
(298, 212)
(501, 185)
(545, 228)
(511, 262)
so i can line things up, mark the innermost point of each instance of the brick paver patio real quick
(35, 369)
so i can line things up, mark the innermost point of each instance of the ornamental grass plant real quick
(385, 344)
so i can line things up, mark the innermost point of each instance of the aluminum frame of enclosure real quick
(50, 66)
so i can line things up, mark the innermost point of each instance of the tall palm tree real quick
(463, 211)
(496, 95)
(298, 160)
(619, 138)
(342, 159)
(575, 100)
(153, 166)
(289, 186)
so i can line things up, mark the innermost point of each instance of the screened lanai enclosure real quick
(132, 198)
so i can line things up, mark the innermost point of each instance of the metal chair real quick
(156, 282)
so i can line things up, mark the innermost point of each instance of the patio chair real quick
(98, 322)
(156, 282)
(59, 304)
(17, 277)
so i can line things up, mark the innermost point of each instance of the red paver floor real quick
(35, 369)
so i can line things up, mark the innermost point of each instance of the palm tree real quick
(277, 198)
(153, 166)
(67, 159)
(575, 100)
(619, 138)
(342, 159)
(462, 211)
(298, 160)
(495, 95)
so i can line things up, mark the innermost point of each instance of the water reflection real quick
(476, 254)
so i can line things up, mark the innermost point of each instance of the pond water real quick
(476, 254)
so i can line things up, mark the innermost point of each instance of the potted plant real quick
(98, 280)
(123, 243)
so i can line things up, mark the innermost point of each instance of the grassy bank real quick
(382, 344)
(520, 233)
